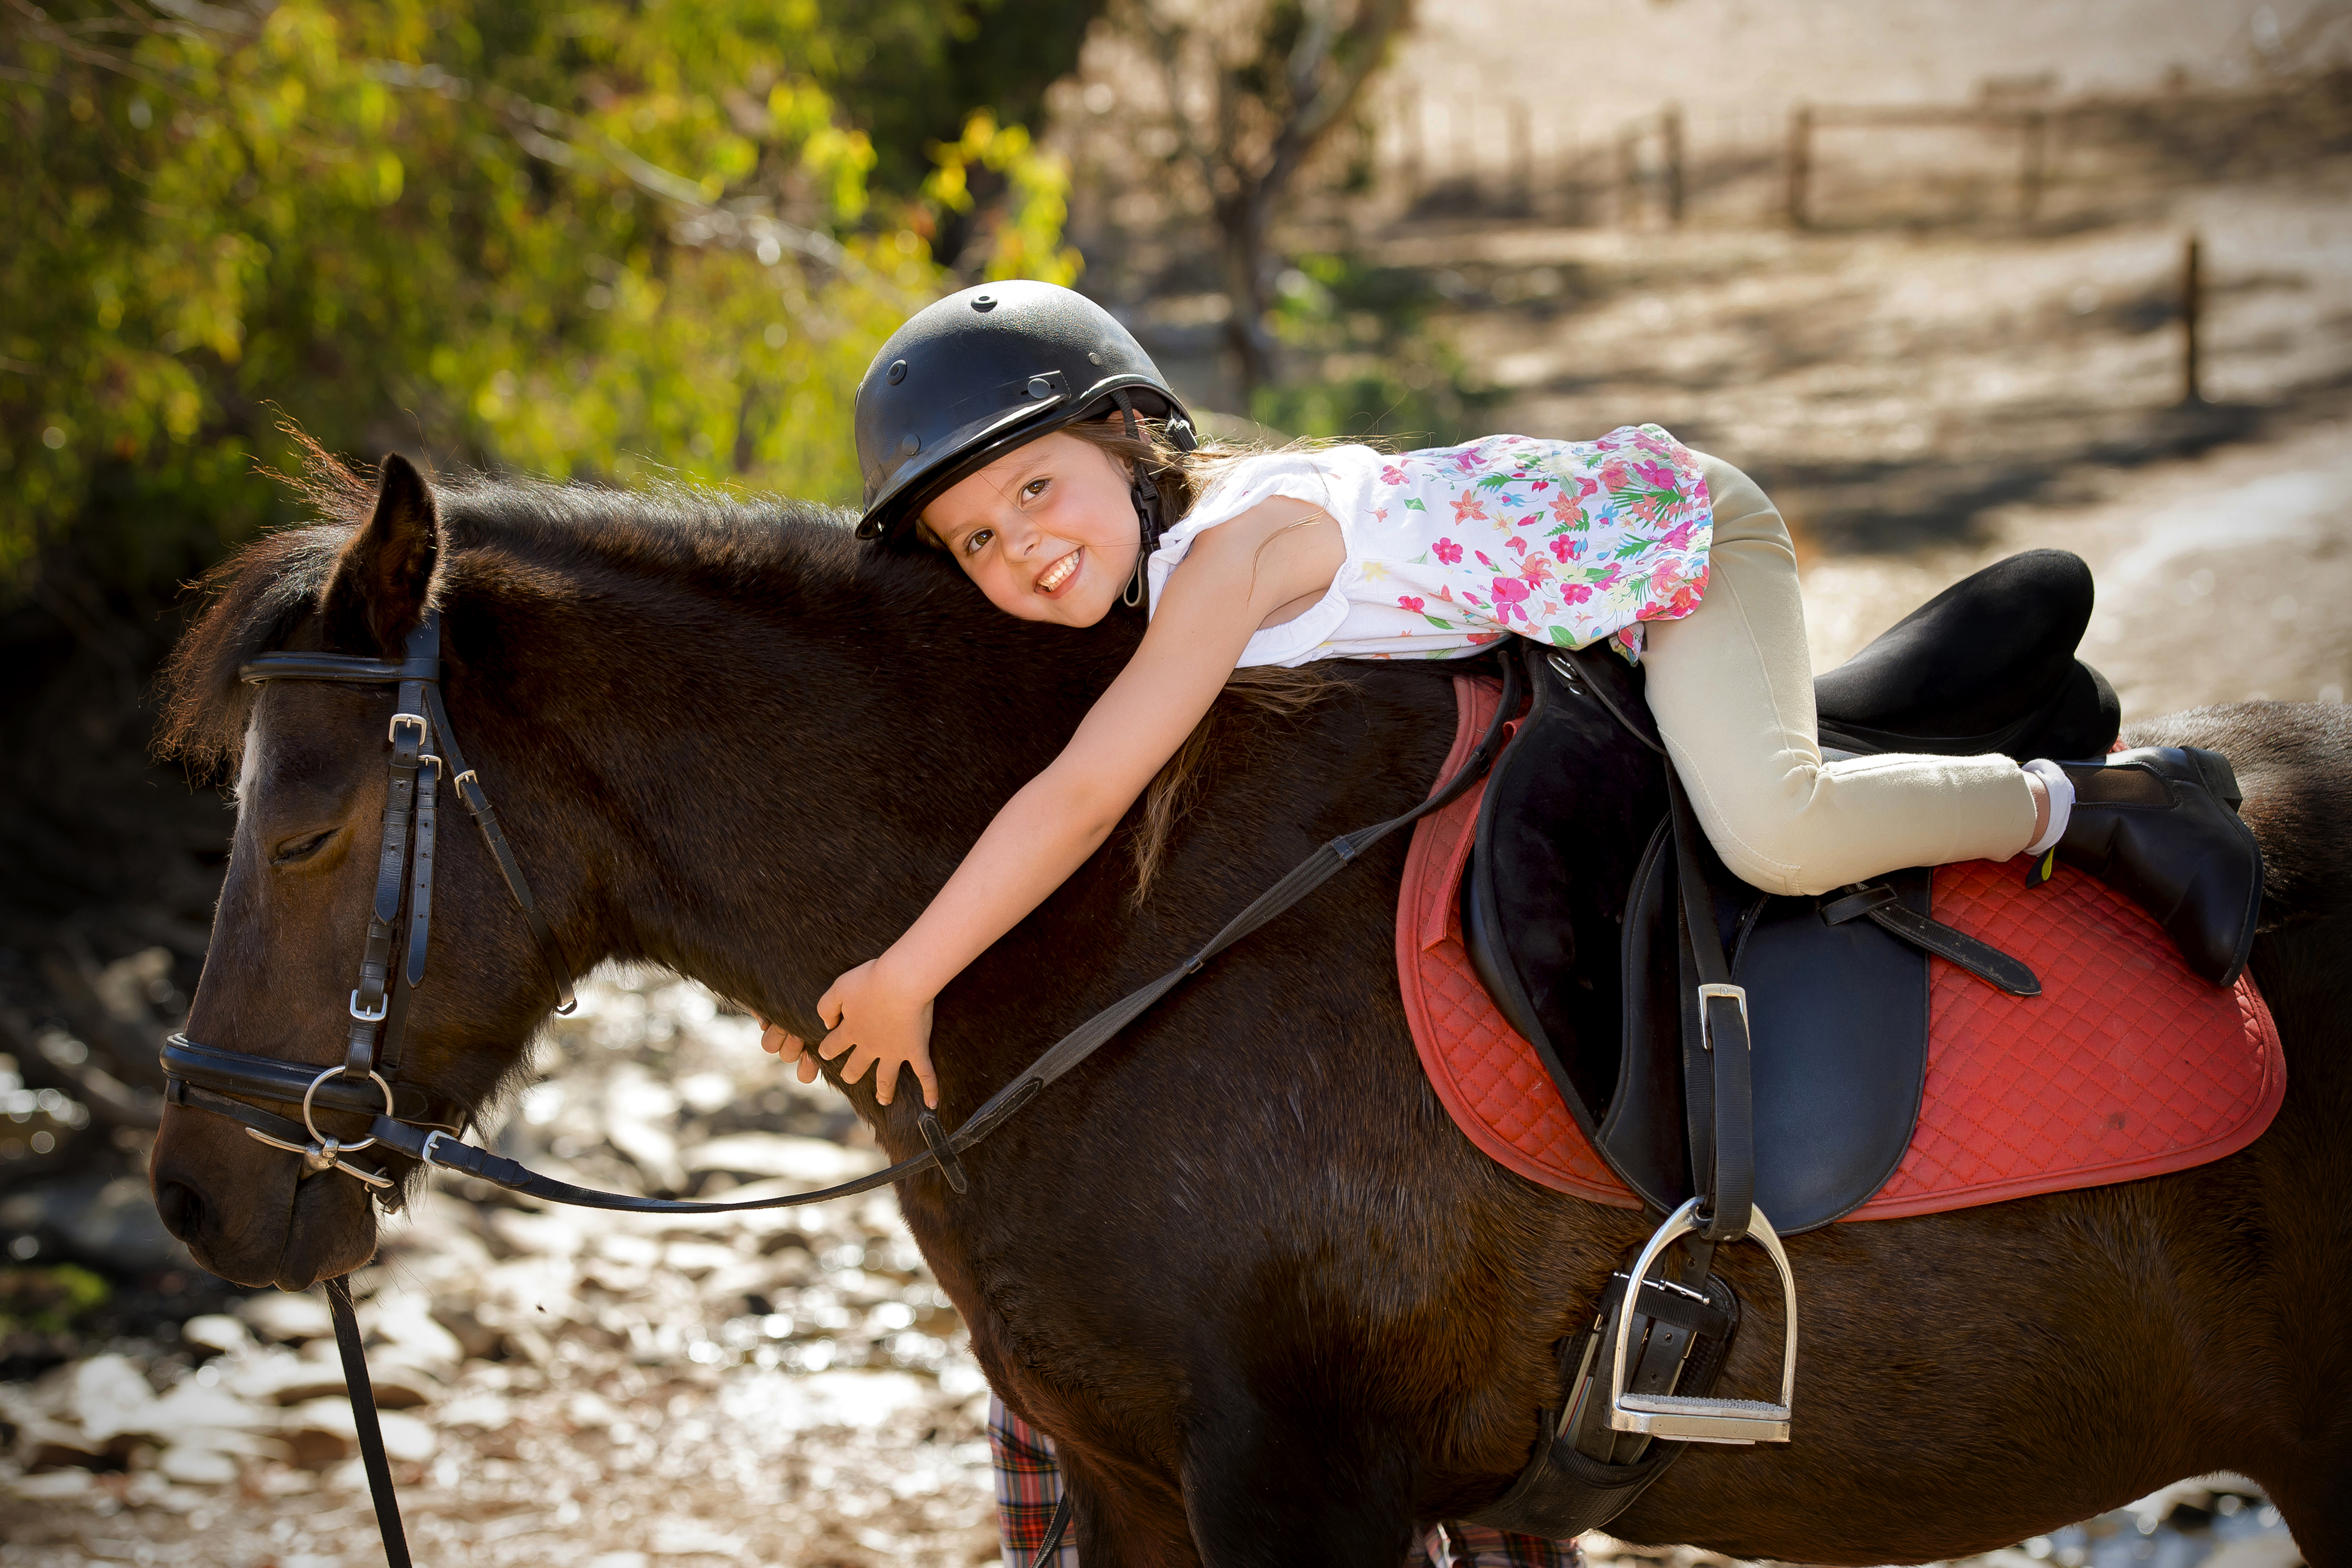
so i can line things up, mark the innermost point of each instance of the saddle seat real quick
(1839, 1006)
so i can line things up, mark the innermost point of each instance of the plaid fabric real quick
(1029, 1486)
(1028, 1489)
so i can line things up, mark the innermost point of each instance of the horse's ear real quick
(384, 577)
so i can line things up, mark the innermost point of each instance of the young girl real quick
(998, 426)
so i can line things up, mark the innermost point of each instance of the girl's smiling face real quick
(1049, 530)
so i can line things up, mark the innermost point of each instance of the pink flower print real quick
(1448, 552)
(1470, 506)
(1467, 459)
(1679, 536)
(1515, 544)
(1479, 639)
(1418, 607)
(1540, 485)
(1565, 549)
(1657, 473)
(1470, 598)
(1609, 578)
(1612, 474)
(1509, 596)
(1576, 593)
(1536, 571)
(1489, 565)
(1392, 475)
(1585, 486)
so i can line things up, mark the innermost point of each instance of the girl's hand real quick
(880, 1026)
(776, 1040)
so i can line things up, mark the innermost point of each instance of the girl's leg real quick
(1028, 1489)
(1731, 685)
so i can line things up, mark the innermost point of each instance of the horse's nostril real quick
(183, 1212)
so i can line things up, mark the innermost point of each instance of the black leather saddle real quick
(1571, 905)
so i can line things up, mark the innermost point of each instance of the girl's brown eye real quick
(978, 539)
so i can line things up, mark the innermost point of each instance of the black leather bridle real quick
(411, 1120)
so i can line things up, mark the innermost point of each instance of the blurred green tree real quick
(596, 240)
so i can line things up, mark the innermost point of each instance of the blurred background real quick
(1949, 280)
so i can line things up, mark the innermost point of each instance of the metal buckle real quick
(391, 731)
(1681, 1417)
(325, 1154)
(1706, 992)
(364, 1016)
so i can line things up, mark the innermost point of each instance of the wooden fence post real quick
(1670, 130)
(1523, 159)
(1629, 174)
(1801, 159)
(2192, 310)
(2037, 151)
(1410, 132)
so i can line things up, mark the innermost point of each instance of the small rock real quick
(488, 1412)
(479, 1341)
(195, 1466)
(809, 1160)
(54, 1486)
(111, 1396)
(216, 1331)
(284, 1315)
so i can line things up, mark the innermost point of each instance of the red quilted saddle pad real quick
(2126, 1066)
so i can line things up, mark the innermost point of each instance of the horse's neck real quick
(787, 792)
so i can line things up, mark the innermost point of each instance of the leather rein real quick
(412, 1120)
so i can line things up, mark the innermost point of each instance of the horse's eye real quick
(301, 848)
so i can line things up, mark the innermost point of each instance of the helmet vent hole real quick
(1040, 387)
(897, 373)
(983, 302)
(910, 442)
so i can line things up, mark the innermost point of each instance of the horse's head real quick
(693, 716)
(312, 781)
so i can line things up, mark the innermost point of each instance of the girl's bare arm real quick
(1234, 576)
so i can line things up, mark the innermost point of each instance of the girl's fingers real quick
(807, 1066)
(930, 1082)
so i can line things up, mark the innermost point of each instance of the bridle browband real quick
(414, 1121)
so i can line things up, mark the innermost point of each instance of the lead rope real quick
(362, 1389)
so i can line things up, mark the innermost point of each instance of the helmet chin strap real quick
(1146, 497)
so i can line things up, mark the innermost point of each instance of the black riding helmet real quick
(970, 377)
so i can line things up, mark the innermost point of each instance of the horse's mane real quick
(257, 597)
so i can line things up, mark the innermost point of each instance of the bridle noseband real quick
(391, 963)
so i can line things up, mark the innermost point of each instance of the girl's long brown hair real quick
(1182, 477)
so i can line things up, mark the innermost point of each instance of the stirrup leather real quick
(1684, 1418)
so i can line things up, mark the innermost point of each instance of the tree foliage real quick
(603, 240)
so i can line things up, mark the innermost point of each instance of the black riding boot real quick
(2160, 824)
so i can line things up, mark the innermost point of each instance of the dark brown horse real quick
(1274, 1308)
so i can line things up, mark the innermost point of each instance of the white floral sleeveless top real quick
(1448, 549)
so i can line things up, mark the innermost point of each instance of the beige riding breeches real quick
(1731, 685)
